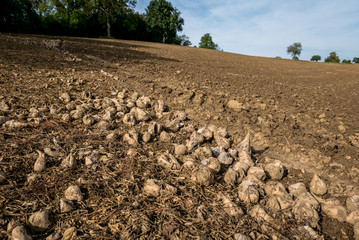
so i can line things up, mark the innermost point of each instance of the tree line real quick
(94, 18)
(161, 21)
(296, 49)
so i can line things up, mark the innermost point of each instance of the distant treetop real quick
(207, 42)
(295, 50)
(316, 58)
(332, 58)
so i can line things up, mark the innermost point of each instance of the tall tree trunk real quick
(108, 26)
(164, 38)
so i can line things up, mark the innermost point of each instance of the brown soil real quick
(292, 108)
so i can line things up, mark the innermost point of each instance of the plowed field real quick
(303, 114)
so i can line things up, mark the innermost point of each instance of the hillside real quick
(97, 100)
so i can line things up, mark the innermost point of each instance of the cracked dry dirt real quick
(151, 134)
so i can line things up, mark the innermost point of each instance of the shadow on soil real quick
(96, 51)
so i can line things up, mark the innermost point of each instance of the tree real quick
(108, 10)
(332, 58)
(207, 42)
(346, 61)
(163, 20)
(295, 50)
(131, 26)
(356, 60)
(316, 58)
(66, 13)
(182, 40)
(18, 16)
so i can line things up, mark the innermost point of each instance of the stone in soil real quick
(239, 236)
(274, 188)
(112, 136)
(129, 120)
(353, 217)
(352, 203)
(318, 186)
(206, 133)
(103, 125)
(260, 215)
(73, 192)
(180, 149)
(151, 188)
(66, 205)
(143, 102)
(212, 163)
(297, 189)
(65, 97)
(165, 137)
(20, 233)
(69, 161)
(132, 137)
(53, 236)
(231, 177)
(279, 197)
(229, 207)
(88, 120)
(234, 104)
(168, 161)
(189, 163)
(32, 178)
(40, 163)
(70, 234)
(52, 152)
(203, 176)
(305, 210)
(39, 221)
(197, 137)
(248, 193)
(225, 158)
(140, 114)
(216, 151)
(337, 212)
(275, 170)
(258, 172)
(356, 231)
(146, 137)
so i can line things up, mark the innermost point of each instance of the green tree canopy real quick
(18, 16)
(356, 60)
(182, 40)
(316, 58)
(346, 61)
(207, 42)
(163, 20)
(108, 10)
(93, 18)
(295, 50)
(333, 58)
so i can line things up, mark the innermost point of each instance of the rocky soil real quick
(109, 139)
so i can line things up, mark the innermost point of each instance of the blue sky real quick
(267, 27)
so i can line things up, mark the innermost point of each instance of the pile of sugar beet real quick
(127, 167)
